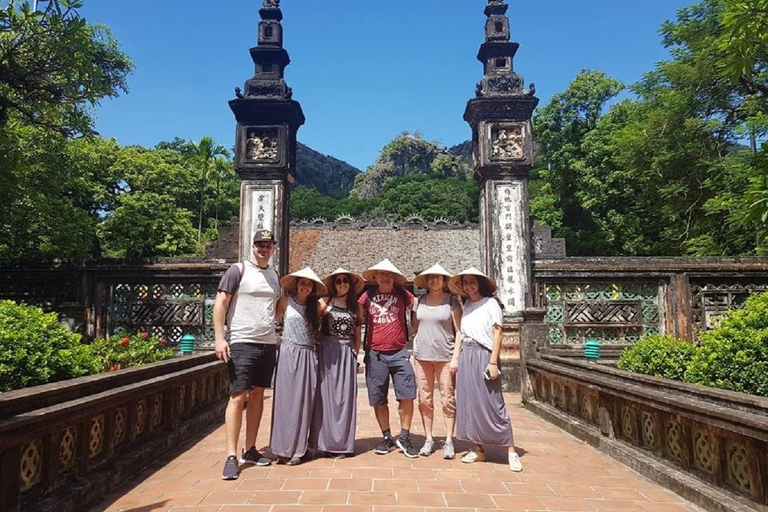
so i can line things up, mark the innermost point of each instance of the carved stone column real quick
(265, 144)
(502, 143)
(500, 117)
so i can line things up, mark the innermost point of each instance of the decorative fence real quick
(167, 299)
(709, 445)
(618, 300)
(65, 445)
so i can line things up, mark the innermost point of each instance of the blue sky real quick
(363, 70)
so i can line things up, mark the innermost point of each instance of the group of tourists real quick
(457, 344)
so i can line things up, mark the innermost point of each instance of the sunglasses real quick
(342, 280)
(263, 245)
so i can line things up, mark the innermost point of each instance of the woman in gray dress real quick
(293, 402)
(335, 416)
(481, 416)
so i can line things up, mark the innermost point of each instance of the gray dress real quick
(295, 385)
(335, 417)
(481, 416)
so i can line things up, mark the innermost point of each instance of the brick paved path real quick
(560, 474)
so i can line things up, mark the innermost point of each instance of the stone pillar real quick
(265, 144)
(500, 117)
(502, 145)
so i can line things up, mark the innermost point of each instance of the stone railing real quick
(66, 444)
(709, 445)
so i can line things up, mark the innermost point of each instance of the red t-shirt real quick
(386, 318)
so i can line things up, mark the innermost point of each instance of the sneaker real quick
(428, 448)
(514, 463)
(384, 447)
(231, 469)
(473, 456)
(295, 461)
(448, 451)
(254, 458)
(404, 444)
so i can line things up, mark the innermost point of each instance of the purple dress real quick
(335, 417)
(295, 386)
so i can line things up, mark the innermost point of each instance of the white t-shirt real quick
(251, 313)
(478, 320)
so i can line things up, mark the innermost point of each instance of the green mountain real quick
(328, 175)
(408, 153)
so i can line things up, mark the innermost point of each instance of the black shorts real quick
(251, 365)
(378, 368)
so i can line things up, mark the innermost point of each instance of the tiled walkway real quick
(560, 474)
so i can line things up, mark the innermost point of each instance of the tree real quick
(204, 153)
(54, 66)
(146, 224)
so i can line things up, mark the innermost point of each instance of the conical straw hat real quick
(291, 281)
(385, 266)
(455, 282)
(422, 280)
(357, 281)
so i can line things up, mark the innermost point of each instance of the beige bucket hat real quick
(455, 282)
(357, 281)
(385, 266)
(422, 280)
(291, 281)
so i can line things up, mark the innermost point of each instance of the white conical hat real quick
(357, 281)
(385, 266)
(291, 281)
(455, 282)
(422, 280)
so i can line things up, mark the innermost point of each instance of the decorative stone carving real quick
(273, 4)
(261, 146)
(507, 143)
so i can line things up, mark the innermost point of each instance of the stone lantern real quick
(265, 143)
(500, 117)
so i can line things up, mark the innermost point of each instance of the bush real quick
(123, 350)
(735, 354)
(36, 349)
(658, 355)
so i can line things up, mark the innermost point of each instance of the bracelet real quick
(494, 364)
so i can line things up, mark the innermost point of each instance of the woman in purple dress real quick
(338, 343)
(481, 416)
(296, 378)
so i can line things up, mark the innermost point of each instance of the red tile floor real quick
(560, 473)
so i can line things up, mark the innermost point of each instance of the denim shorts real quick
(250, 365)
(379, 366)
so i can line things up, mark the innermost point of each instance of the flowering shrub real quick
(123, 350)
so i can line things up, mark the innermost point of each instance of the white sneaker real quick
(514, 462)
(428, 448)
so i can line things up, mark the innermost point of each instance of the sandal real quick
(473, 456)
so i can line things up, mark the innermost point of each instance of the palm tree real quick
(204, 152)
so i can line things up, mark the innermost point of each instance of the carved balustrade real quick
(714, 437)
(66, 444)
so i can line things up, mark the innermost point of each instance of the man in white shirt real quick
(246, 300)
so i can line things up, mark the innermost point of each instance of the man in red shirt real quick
(383, 309)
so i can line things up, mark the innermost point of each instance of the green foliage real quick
(406, 154)
(735, 354)
(36, 349)
(123, 350)
(54, 66)
(146, 224)
(658, 355)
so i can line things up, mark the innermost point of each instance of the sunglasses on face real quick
(342, 280)
(263, 245)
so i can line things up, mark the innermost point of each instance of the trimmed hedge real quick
(732, 356)
(658, 355)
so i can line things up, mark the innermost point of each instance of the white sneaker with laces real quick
(428, 448)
